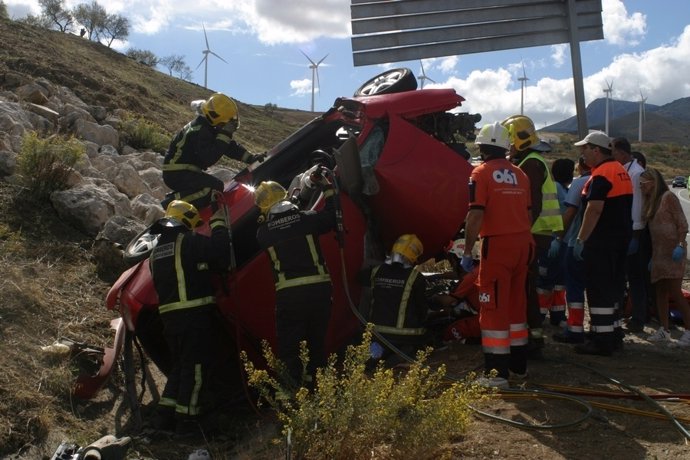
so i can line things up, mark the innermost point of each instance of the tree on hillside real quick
(92, 16)
(116, 27)
(143, 56)
(3, 11)
(39, 21)
(177, 65)
(57, 15)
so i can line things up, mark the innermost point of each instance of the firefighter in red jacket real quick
(500, 214)
(181, 265)
(303, 286)
(398, 304)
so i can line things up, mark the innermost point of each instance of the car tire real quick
(388, 82)
(140, 247)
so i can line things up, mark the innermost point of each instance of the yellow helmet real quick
(522, 132)
(267, 194)
(220, 109)
(409, 247)
(184, 213)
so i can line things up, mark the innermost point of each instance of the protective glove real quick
(578, 248)
(260, 157)
(634, 246)
(467, 263)
(678, 253)
(217, 219)
(555, 248)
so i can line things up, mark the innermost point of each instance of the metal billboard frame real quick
(402, 30)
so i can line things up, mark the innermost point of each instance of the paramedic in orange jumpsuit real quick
(500, 214)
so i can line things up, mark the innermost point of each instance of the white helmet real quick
(494, 134)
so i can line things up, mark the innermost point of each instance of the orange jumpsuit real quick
(502, 191)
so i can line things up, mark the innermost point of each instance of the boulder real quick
(100, 134)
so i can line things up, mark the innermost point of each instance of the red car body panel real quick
(422, 177)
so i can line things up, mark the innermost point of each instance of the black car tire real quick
(388, 82)
(141, 246)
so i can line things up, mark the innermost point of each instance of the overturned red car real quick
(402, 167)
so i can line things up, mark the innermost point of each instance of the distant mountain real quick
(666, 123)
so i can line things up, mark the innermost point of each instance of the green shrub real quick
(353, 413)
(142, 135)
(46, 163)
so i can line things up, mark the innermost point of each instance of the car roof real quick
(409, 103)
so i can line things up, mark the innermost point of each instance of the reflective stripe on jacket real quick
(181, 265)
(282, 281)
(550, 219)
(395, 299)
(291, 241)
(199, 145)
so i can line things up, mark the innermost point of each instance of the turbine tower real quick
(314, 66)
(204, 60)
(422, 77)
(522, 81)
(608, 90)
(639, 129)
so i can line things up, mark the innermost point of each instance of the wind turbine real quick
(522, 81)
(314, 66)
(423, 76)
(204, 60)
(608, 91)
(639, 129)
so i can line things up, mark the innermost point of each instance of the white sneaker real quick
(492, 382)
(661, 335)
(684, 340)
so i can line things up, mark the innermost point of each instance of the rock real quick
(8, 162)
(100, 134)
(87, 206)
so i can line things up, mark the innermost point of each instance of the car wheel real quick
(141, 246)
(391, 81)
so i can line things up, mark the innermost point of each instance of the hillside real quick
(669, 123)
(102, 76)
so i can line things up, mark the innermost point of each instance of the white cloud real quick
(661, 73)
(301, 87)
(559, 54)
(619, 28)
(448, 64)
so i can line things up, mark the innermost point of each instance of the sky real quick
(645, 53)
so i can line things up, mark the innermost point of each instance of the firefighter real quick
(303, 285)
(398, 304)
(500, 214)
(181, 266)
(199, 145)
(547, 224)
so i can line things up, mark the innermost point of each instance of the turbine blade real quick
(205, 36)
(202, 61)
(421, 65)
(317, 64)
(524, 75)
(211, 52)
(318, 82)
(431, 80)
(305, 55)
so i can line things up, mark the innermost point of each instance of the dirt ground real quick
(626, 428)
(618, 426)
